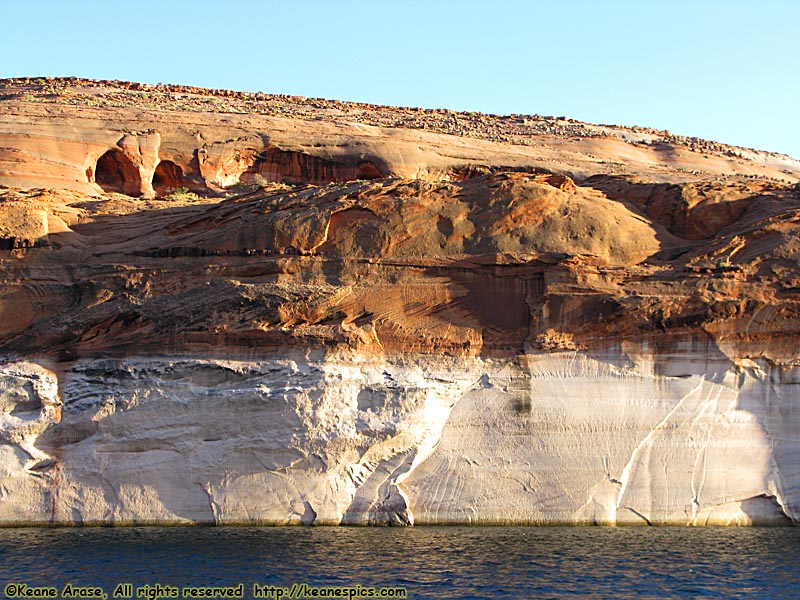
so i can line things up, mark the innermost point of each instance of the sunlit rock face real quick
(577, 439)
(297, 440)
(557, 438)
(390, 327)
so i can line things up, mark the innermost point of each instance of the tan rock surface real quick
(54, 132)
(357, 323)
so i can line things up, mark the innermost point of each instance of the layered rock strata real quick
(389, 327)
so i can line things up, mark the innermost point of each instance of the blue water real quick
(429, 562)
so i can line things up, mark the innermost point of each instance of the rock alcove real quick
(116, 173)
(167, 176)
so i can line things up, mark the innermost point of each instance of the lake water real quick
(428, 562)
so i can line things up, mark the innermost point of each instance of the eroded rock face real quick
(94, 137)
(295, 440)
(375, 332)
(559, 438)
(590, 440)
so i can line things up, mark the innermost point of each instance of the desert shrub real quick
(260, 180)
(181, 194)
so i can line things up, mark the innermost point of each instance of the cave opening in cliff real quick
(115, 172)
(167, 176)
(368, 170)
(288, 166)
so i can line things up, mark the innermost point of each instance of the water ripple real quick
(430, 562)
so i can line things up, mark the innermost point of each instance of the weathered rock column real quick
(142, 150)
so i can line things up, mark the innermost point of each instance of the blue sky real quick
(727, 71)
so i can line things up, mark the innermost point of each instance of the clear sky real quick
(723, 70)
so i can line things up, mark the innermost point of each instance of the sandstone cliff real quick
(218, 307)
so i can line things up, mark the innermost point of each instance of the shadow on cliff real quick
(503, 298)
(690, 214)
